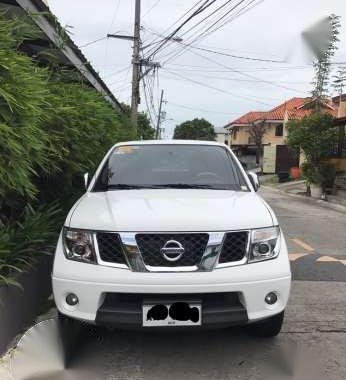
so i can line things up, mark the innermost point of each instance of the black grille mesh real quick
(110, 248)
(151, 244)
(234, 247)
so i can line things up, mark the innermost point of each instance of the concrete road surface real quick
(313, 340)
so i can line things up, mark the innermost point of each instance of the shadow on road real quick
(219, 354)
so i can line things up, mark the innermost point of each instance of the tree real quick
(339, 80)
(196, 129)
(322, 39)
(314, 135)
(256, 131)
(144, 130)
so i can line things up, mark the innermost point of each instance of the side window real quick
(279, 130)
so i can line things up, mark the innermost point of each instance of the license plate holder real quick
(172, 313)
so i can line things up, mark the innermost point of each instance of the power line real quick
(114, 16)
(232, 55)
(219, 8)
(243, 80)
(180, 18)
(147, 102)
(203, 33)
(209, 15)
(201, 9)
(221, 53)
(246, 75)
(116, 72)
(151, 8)
(212, 69)
(217, 89)
(92, 42)
(201, 109)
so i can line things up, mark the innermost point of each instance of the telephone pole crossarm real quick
(121, 37)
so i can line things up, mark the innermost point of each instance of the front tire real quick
(268, 328)
(71, 331)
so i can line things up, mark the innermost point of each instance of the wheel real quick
(71, 333)
(268, 328)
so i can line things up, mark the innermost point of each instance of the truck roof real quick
(170, 142)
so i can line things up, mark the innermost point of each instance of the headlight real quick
(264, 244)
(79, 246)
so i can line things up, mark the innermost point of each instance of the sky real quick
(219, 87)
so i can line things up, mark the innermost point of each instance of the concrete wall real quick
(19, 307)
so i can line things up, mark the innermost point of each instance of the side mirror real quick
(244, 165)
(86, 180)
(254, 180)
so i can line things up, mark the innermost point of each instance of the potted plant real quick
(327, 174)
(319, 178)
(312, 178)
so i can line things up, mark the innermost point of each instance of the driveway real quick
(313, 336)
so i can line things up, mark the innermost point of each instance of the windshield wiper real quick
(184, 186)
(122, 186)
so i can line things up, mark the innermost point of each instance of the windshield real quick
(170, 166)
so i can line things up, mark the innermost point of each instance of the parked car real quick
(172, 234)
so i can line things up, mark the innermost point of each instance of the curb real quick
(319, 202)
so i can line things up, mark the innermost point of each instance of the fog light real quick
(72, 299)
(271, 298)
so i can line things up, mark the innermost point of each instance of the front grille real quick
(234, 247)
(110, 247)
(151, 244)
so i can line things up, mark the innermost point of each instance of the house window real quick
(235, 133)
(279, 130)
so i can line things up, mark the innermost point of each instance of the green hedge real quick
(53, 128)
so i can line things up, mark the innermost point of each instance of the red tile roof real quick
(248, 118)
(295, 108)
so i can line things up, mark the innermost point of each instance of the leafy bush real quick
(314, 135)
(23, 242)
(53, 128)
(22, 102)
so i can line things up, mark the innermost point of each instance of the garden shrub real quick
(53, 128)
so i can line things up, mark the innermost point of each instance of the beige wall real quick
(222, 137)
(342, 110)
(242, 136)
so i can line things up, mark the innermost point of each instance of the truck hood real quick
(170, 210)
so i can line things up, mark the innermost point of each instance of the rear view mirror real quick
(86, 181)
(254, 180)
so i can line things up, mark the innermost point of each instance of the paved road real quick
(316, 237)
(315, 317)
(314, 331)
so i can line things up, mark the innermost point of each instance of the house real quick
(275, 122)
(222, 136)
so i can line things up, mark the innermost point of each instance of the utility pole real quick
(135, 99)
(138, 63)
(159, 117)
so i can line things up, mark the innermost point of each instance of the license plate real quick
(161, 314)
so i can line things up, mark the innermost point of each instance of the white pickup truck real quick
(172, 234)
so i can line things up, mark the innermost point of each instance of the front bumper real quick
(93, 283)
